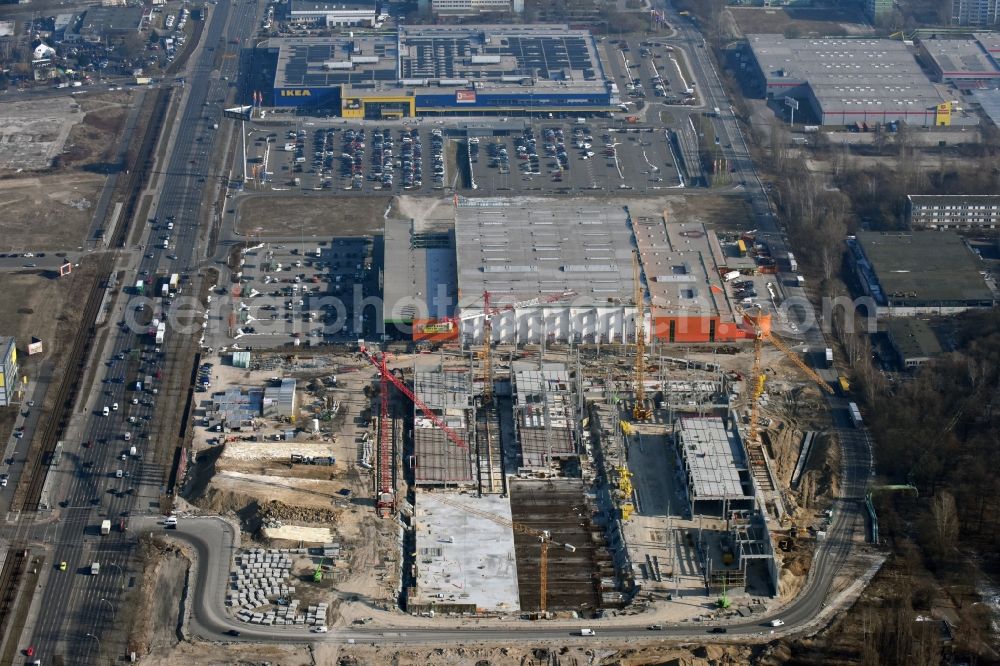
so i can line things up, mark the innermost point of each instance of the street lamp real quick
(89, 635)
(120, 572)
(111, 606)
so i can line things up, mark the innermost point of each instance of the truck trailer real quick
(161, 332)
(105, 527)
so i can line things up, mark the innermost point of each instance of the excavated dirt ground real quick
(204, 654)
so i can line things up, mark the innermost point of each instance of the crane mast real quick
(640, 412)
(487, 350)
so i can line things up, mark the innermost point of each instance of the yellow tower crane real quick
(762, 334)
(640, 411)
(544, 537)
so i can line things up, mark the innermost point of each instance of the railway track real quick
(10, 580)
(71, 381)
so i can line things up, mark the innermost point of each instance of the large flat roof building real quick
(924, 272)
(941, 211)
(964, 62)
(715, 464)
(560, 271)
(445, 69)
(682, 264)
(848, 81)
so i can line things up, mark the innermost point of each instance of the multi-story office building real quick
(951, 211)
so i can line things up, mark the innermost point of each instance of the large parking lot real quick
(362, 159)
(421, 157)
(568, 157)
(305, 292)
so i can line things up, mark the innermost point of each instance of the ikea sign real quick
(296, 93)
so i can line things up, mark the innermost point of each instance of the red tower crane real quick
(386, 491)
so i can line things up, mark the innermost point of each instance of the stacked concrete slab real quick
(260, 590)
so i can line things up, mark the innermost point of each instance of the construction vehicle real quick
(640, 411)
(544, 538)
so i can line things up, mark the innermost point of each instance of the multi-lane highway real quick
(86, 483)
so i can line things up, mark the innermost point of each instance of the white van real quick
(587, 632)
(106, 411)
(128, 436)
(777, 623)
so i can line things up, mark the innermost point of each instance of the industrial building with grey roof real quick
(924, 272)
(557, 270)
(847, 81)
(964, 62)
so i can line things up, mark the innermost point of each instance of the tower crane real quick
(544, 538)
(386, 490)
(760, 336)
(640, 412)
(488, 313)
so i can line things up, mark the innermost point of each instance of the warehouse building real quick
(920, 273)
(333, 14)
(556, 271)
(311, 71)
(963, 211)
(444, 70)
(965, 63)
(715, 466)
(102, 23)
(682, 264)
(458, 8)
(850, 81)
(9, 378)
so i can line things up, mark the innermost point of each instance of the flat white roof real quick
(463, 558)
(714, 456)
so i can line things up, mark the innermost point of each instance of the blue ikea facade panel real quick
(306, 96)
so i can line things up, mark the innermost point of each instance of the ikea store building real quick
(448, 70)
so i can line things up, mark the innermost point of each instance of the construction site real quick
(547, 451)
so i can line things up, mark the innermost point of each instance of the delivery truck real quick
(105, 527)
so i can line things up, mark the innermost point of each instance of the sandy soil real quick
(47, 212)
(320, 216)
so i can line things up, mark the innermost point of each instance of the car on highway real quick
(4, 479)
(233, 632)
(777, 623)
(717, 630)
(320, 629)
(655, 627)
(62, 566)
